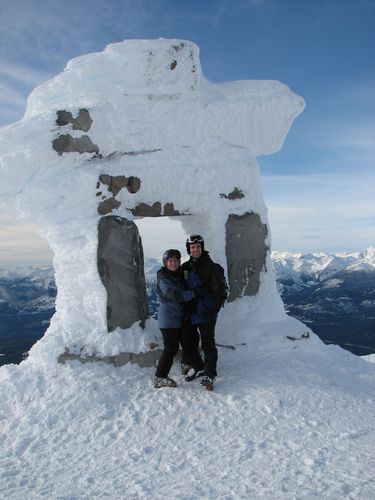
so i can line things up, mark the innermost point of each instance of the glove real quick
(173, 296)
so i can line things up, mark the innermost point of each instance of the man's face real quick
(195, 250)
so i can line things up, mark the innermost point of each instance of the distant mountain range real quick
(27, 302)
(333, 294)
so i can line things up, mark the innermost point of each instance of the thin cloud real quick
(361, 138)
(358, 93)
(17, 82)
(39, 38)
(59, 30)
(321, 212)
(9, 96)
(22, 73)
(349, 179)
(20, 243)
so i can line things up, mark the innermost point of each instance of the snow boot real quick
(208, 383)
(164, 382)
(192, 374)
(185, 368)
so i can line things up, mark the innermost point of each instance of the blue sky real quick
(320, 188)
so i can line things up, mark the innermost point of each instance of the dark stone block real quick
(169, 210)
(246, 253)
(64, 118)
(236, 194)
(144, 359)
(117, 182)
(121, 269)
(67, 144)
(106, 206)
(134, 184)
(144, 210)
(83, 120)
(155, 210)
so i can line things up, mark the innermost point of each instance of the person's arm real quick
(217, 286)
(172, 293)
(180, 295)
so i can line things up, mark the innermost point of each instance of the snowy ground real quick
(288, 419)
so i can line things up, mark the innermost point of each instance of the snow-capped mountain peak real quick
(320, 266)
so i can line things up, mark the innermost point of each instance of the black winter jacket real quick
(200, 273)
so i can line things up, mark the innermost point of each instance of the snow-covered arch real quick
(121, 263)
(135, 130)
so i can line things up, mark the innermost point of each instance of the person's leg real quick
(190, 346)
(207, 331)
(171, 339)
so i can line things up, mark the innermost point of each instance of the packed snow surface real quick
(288, 419)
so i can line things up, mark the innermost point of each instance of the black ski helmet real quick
(194, 238)
(172, 252)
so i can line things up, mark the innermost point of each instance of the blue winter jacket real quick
(172, 293)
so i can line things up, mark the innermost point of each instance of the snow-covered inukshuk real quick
(137, 131)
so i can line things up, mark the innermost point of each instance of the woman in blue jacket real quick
(172, 293)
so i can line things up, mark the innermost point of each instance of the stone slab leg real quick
(246, 252)
(121, 269)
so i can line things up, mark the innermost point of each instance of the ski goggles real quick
(195, 238)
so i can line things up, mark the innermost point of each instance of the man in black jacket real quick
(202, 273)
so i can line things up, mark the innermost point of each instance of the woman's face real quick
(173, 263)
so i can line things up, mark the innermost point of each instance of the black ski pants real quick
(171, 340)
(190, 340)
